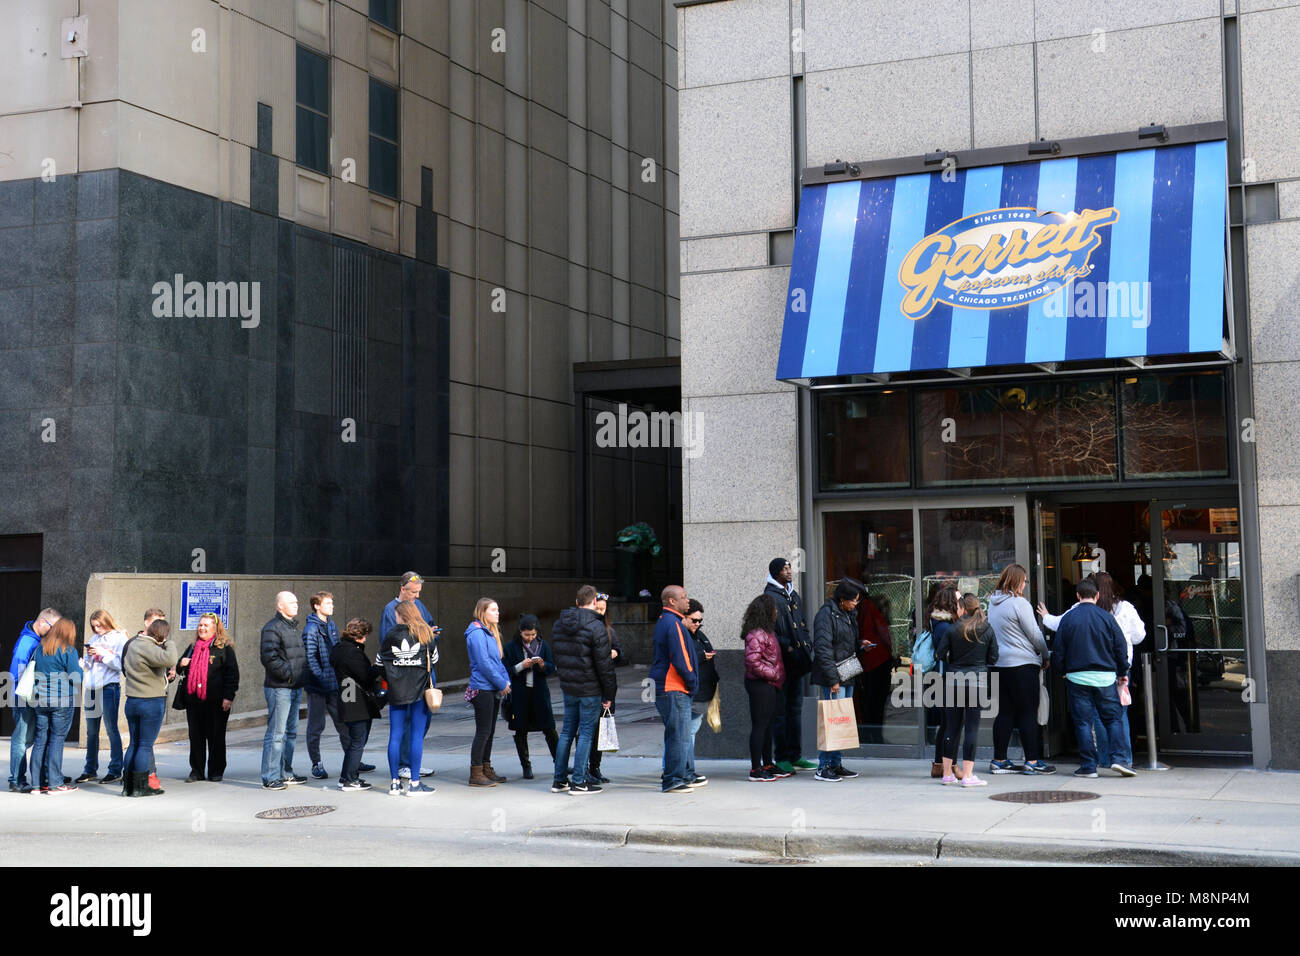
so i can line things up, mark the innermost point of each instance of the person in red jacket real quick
(876, 654)
(764, 676)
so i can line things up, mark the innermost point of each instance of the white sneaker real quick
(395, 788)
(970, 780)
(404, 773)
(1122, 770)
(425, 772)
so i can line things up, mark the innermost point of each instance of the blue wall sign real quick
(204, 597)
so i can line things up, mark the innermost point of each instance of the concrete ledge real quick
(605, 835)
(817, 843)
(973, 846)
(771, 842)
(929, 845)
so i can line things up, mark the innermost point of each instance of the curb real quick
(814, 844)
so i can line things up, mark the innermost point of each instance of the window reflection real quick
(864, 440)
(1035, 431)
(1175, 426)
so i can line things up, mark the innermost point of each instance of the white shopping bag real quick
(607, 739)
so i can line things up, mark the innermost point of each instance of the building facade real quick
(298, 287)
(999, 281)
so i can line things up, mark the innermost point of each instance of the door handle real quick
(1165, 629)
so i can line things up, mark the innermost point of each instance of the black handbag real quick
(182, 697)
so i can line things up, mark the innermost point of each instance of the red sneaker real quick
(154, 782)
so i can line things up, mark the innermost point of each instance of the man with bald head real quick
(676, 678)
(285, 660)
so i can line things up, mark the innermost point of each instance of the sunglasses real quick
(602, 596)
(696, 620)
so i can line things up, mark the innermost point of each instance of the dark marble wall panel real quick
(184, 431)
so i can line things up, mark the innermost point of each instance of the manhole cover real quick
(787, 860)
(293, 813)
(1044, 796)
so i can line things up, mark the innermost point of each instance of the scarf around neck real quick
(197, 683)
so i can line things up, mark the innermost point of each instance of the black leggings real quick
(762, 708)
(1018, 691)
(486, 706)
(954, 720)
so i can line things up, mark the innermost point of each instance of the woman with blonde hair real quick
(209, 680)
(103, 667)
(54, 698)
(407, 654)
(489, 681)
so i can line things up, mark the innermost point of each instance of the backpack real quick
(923, 654)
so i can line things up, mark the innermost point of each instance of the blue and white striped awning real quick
(1111, 256)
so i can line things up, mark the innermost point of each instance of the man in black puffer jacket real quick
(285, 659)
(835, 638)
(580, 646)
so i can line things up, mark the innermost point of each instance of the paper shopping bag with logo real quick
(837, 725)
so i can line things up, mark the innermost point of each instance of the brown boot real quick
(478, 779)
(492, 774)
(936, 770)
(956, 770)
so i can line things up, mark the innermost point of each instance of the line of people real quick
(1004, 654)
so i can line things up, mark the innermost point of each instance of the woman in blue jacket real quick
(55, 696)
(489, 681)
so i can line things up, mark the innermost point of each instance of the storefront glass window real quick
(864, 440)
(1174, 426)
(877, 548)
(1038, 431)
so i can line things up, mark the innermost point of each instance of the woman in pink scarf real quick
(210, 679)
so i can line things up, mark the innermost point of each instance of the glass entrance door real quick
(1201, 671)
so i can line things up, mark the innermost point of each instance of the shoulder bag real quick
(432, 696)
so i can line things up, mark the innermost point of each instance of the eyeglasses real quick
(696, 620)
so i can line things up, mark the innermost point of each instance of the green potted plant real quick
(635, 547)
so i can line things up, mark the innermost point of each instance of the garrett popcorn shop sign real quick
(1104, 256)
(1000, 258)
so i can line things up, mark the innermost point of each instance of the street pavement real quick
(893, 813)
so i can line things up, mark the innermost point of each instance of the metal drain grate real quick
(1044, 796)
(786, 860)
(293, 813)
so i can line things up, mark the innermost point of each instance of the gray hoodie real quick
(1019, 639)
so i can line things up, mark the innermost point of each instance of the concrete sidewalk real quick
(1182, 816)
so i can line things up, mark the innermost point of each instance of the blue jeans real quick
(104, 702)
(144, 717)
(581, 715)
(52, 726)
(1087, 704)
(831, 758)
(1124, 746)
(697, 721)
(24, 736)
(406, 722)
(674, 708)
(281, 732)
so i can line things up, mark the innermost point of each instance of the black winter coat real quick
(835, 637)
(528, 708)
(708, 670)
(283, 654)
(223, 676)
(356, 675)
(791, 626)
(581, 648)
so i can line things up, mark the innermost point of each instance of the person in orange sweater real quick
(676, 678)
